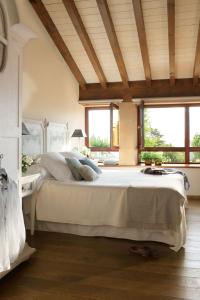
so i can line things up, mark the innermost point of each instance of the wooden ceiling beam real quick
(139, 89)
(171, 39)
(137, 6)
(196, 71)
(83, 35)
(110, 30)
(57, 39)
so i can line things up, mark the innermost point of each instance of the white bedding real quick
(118, 198)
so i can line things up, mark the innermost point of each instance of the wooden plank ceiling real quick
(127, 48)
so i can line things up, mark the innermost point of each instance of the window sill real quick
(177, 166)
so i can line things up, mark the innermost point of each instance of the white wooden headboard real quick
(45, 137)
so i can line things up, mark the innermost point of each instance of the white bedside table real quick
(28, 183)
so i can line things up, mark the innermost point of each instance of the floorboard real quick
(68, 267)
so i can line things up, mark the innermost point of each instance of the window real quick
(102, 128)
(3, 39)
(169, 133)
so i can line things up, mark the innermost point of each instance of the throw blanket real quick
(12, 230)
(167, 171)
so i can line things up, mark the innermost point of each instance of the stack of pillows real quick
(69, 165)
(83, 169)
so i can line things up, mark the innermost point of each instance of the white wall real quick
(49, 90)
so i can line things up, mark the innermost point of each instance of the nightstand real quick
(28, 184)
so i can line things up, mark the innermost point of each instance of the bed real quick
(121, 203)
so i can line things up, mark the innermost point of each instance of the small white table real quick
(28, 183)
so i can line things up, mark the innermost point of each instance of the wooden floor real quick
(74, 268)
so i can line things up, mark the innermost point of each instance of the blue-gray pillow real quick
(89, 163)
(74, 165)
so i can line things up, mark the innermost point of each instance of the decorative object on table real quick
(27, 161)
(25, 130)
(79, 133)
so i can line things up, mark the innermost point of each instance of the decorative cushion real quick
(74, 165)
(90, 163)
(87, 173)
(56, 165)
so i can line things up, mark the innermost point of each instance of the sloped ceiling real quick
(155, 19)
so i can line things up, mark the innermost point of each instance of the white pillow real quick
(56, 165)
(37, 169)
(73, 154)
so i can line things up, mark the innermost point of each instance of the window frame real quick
(187, 149)
(3, 39)
(101, 149)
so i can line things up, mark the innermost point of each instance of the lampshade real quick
(79, 133)
(25, 130)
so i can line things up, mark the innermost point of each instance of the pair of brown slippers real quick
(144, 251)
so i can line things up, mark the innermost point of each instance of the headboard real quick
(45, 137)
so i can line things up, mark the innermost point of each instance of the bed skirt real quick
(176, 239)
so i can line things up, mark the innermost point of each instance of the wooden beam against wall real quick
(137, 6)
(110, 30)
(171, 39)
(139, 89)
(82, 33)
(196, 71)
(57, 39)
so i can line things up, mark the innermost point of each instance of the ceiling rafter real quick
(137, 6)
(139, 89)
(196, 71)
(83, 35)
(171, 39)
(110, 30)
(58, 40)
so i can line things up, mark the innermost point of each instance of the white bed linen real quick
(118, 198)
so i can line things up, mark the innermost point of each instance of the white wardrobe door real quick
(9, 113)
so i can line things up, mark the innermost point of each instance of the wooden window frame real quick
(3, 38)
(186, 149)
(96, 149)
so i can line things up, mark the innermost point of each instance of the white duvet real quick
(121, 198)
(12, 230)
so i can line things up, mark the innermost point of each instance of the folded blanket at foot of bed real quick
(167, 171)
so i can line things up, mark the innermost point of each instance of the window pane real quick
(195, 157)
(2, 55)
(195, 126)
(2, 43)
(160, 125)
(2, 23)
(164, 157)
(99, 128)
(115, 127)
